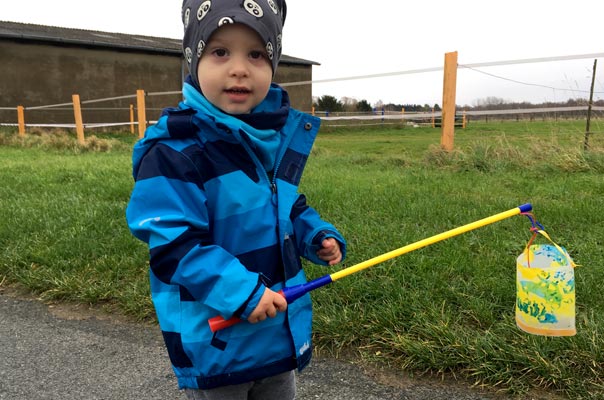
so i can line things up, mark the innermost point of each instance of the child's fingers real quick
(270, 303)
(335, 260)
(280, 303)
(330, 247)
(271, 312)
(329, 242)
(330, 252)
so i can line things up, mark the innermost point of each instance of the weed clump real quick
(500, 155)
(58, 139)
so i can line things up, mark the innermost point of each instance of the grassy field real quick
(445, 309)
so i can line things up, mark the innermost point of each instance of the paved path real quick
(49, 352)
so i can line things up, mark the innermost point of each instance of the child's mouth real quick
(238, 91)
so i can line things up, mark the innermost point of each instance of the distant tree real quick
(329, 103)
(392, 107)
(416, 107)
(349, 103)
(363, 106)
(407, 107)
(490, 103)
(577, 102)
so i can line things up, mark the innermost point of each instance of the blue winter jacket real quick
(221, 229)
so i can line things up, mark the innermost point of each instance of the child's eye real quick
(219, 52)
(256, 55)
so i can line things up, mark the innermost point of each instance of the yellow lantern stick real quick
(295, 292)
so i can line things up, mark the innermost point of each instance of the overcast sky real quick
(367, 37)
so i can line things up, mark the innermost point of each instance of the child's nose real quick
(239, 67)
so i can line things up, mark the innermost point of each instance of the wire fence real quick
(134, 116)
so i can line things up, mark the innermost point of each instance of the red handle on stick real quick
(218, 323)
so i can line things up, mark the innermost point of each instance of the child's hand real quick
(269, 304)
(330, 251)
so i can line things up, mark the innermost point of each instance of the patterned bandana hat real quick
(202, 17)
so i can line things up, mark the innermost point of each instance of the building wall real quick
(299, 95)
(36, 73)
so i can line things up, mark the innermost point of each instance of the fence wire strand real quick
(473, 67)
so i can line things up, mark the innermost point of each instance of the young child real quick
(215, 198)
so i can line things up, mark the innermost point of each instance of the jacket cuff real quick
(250, 305)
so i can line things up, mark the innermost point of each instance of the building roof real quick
(88, 38)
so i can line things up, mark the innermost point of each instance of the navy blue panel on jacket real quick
(164, 259)
(162, 160)
(221, 158)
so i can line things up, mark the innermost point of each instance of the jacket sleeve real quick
(167, 210)
(310, 230)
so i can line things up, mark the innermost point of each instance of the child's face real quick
(234, 71)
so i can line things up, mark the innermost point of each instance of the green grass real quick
(444, 309)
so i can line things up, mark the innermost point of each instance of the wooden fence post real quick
(142, 115)
(132, 119)
(448, 112)
(21, 119)
(77, 111)
(591, 101)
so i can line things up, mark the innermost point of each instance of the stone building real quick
(46, 65)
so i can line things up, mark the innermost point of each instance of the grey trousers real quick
(278, 387)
